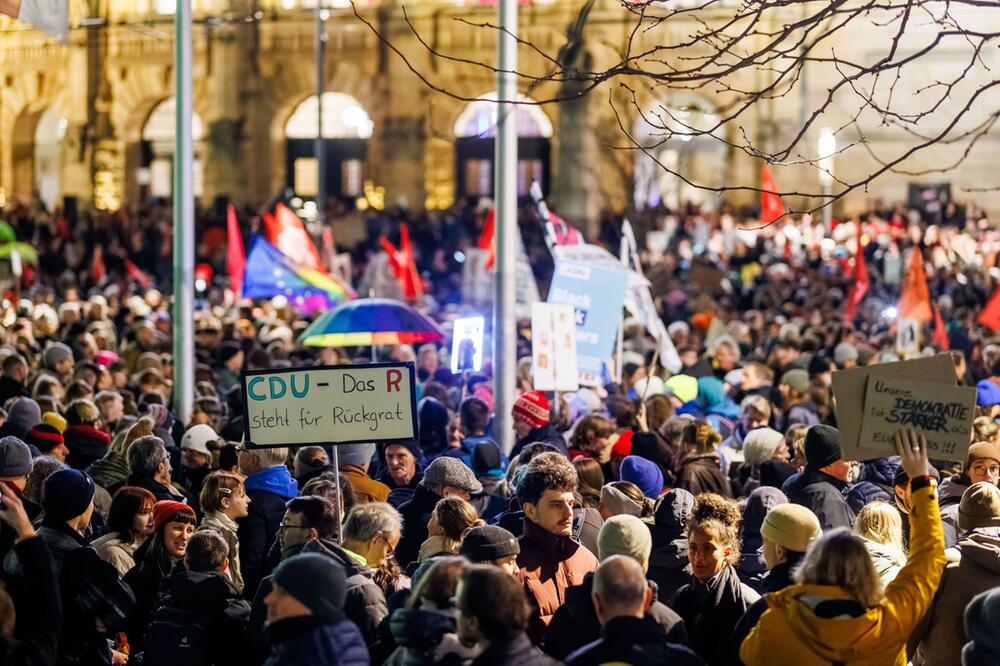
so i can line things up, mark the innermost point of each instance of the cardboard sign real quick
(553, 348)
(340, 404)
(467, 344)
(944, 414)
(849, 387)
(597, 295)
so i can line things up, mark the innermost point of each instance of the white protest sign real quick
(341, 404)
(467, 344)
(908, 338)
(944, 414)
(553, 348)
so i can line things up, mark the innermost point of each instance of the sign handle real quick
(651, 369)
(340, 496)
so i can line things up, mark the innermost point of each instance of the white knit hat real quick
(759, 445)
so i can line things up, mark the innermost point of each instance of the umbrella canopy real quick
(371, 321)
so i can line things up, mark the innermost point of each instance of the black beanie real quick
(486, 457)
(66, 494)
(822, 446)
(488, 542)
(314, 580)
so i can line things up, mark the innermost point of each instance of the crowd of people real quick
(705, 516)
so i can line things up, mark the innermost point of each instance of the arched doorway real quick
(669, 129)
(156, 174)
(346, 130)
(475, 130)
(49, 135)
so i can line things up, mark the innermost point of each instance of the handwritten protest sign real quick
(942, 413)
(342, 404)
(553, 347)
(849, 387)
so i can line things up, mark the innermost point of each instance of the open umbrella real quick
(371, 321)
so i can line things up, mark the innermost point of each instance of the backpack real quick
(177, 636)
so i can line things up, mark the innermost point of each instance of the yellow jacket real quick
(789, 633)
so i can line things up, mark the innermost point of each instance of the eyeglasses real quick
(282, 526)
(991, 470)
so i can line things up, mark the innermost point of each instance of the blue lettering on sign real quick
(277, 387)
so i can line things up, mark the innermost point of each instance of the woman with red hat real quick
(531, 423)
(156, 560)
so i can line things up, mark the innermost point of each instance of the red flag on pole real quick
(486, 238)
(134, 273)
(413, 284)
(940, 331)
(915, 299)
(771, 207)
(990, 316)
(286, 232)
(861, 283)
(97, 271)
(236, 259)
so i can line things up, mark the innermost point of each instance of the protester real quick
(493, 616)
(489, 544)
(624, 498)
(150, 468)
(752, 565)
(269, 485)
(669, 567)
(621, 595)
(451, 518)
(130, 523)
(84, 439)
(15, 466)
(305, 619)
(714, 601)
(444, 477)
(355, 460)
(820, 486)
(531, 423)
(880, 526)
(196, 457)
(402, 470)
(224, 500)
(983, 465)
(981, 616)
(837, 579)
(701, 468)
(941, 636)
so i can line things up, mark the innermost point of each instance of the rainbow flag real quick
(269, 273)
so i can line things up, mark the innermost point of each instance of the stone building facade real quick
(92, 120)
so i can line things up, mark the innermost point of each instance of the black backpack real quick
(177, 636)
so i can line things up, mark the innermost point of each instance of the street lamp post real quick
(826, 148)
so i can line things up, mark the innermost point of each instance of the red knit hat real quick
(623, 445)
(532, 408)
(165, 511)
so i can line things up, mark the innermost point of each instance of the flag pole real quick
(318, 147)
(505, 194)
(183, 218)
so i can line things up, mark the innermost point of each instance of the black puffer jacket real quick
(575, 624)
(415, 514)
(668, 564)
(823, 495)
(39, 613)
(419, 634)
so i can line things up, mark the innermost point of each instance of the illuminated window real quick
(479, 119)
(351, 177)
(164, 6)
(160, 125)
(343, 118)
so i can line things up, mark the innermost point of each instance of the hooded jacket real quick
(635, 641)
(575, 623)
(702, 473)
(415, 515)
(269, 490)
(668, 563)
(823, 495)
(425, 637)
(874, 637)
(774, 580)
(711, 611)
(941, 635)
(548, 565)
(317, 641)
(751, 567)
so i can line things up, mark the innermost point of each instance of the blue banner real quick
(597, 295)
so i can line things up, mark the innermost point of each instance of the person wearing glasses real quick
(983, 465)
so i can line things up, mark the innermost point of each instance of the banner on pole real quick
(467, 344)
(908, 338)
(342, 404)
(597, 295)
(553, 348)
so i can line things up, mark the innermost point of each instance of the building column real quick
(576, 185)
(224, 169)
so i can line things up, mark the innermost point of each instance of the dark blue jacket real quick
(823, 495)
(269, 490)
(317, 641)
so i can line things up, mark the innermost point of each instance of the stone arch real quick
(24, 102)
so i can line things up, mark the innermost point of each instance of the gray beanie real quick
(355, 454)
(315, 580)
(448, 471)
(760, 444)
(55, 354)
(625, 535)
(844, 352)
(15, 458)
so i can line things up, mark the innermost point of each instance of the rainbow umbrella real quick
(371, 322)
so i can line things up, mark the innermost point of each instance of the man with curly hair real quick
(551, 560)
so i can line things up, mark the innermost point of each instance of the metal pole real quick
(318, 145)
(340, 495)
(183, 232)
(505, 194)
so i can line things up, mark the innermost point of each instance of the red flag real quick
(486, 238)
(566, 234)
(861, 283)
(413, 284)
(133, 273)
(915, 299)
(990, 316)
(97, 271)
(940, 331)
(771, 207)
(236, 259)
(286, 232)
